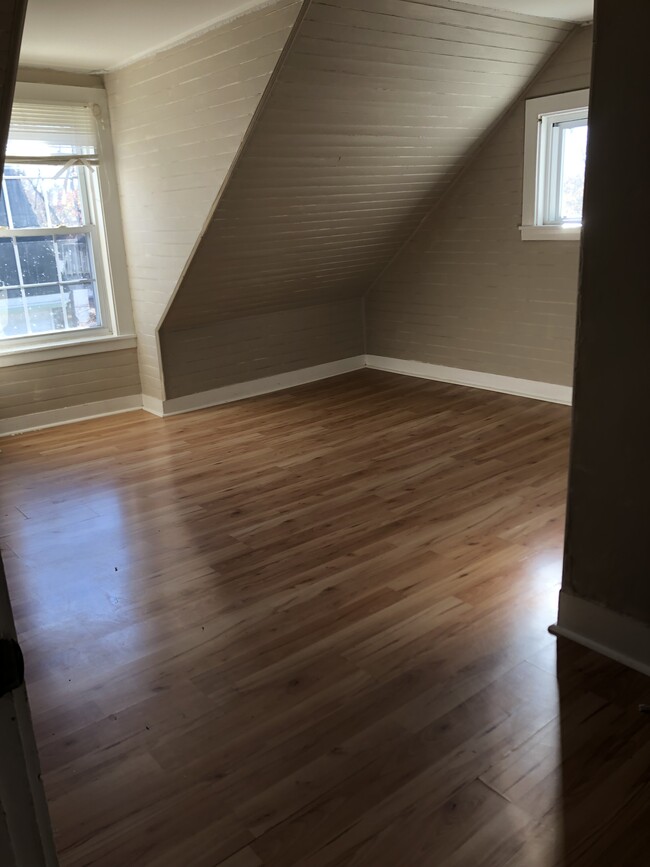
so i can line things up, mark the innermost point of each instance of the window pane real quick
(38, 199)
(45, 305)
(74, 256)
(26, 201)
(4, 219)
(37, 260)
(50, 308)
(81, 305)
(8, 269)
(12, 314)
(59, 290)
(574, 153)
(64, 198)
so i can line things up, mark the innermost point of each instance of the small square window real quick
(554, 166)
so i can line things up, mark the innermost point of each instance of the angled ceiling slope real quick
(101, 36)
(375, 110)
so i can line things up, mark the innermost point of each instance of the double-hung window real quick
(554, 166)
(60, 260)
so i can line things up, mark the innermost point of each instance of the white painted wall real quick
(178, 119)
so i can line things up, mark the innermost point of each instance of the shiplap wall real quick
(377, 106)
(261, 345)
(178, 119)
(467, 292)
(64, 382)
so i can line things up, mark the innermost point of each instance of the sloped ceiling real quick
(97, 36)
(566, 10)
(377, 107)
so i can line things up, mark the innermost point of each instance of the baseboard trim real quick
(242, 390)
(547, 391)
(607, 632)
(153, 405)
(65, 415)
(255, 387)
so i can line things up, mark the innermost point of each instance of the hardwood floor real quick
(311, 629)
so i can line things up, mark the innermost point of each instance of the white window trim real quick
(50, 351)
(119, 330)
(531, 230)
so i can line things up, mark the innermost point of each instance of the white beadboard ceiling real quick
(100, 35)
(96, 35)
(562, 10)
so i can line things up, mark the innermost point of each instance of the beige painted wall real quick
(178, 119)
(261, 345)
(63, 382)
(371, 116)
(466, 292)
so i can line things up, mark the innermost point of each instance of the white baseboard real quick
(153, 405)
(254, 387)
(547, 391)
(81, 412)
(229, 393)
(614, 635)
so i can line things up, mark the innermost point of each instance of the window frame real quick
(541, 112)
(90, 229)
(117, 330)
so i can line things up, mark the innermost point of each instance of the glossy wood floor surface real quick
(311, 629)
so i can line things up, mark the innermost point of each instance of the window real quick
(60, 260)
(554, 166)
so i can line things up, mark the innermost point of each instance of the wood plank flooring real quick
(310, 629)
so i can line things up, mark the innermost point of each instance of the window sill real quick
(550, 233)
(51, 351)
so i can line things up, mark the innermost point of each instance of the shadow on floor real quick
(605, 744)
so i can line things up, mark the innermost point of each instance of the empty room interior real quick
(324, 367)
